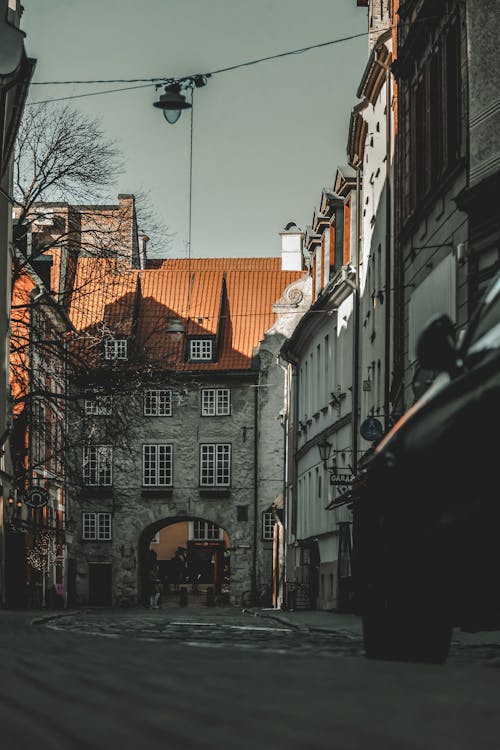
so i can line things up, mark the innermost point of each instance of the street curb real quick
(49, 618)
(303, 628)
(281, 620)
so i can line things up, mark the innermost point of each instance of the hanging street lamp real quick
(172, 102)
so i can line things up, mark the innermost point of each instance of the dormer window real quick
(115, 349)
(201, 349)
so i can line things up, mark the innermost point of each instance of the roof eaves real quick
(375, 68)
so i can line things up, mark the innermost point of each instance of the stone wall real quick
(135, 508)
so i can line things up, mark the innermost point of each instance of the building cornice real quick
(376, 67)
(358, 128)
(339, 288)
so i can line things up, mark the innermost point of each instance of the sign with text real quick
(341, 480)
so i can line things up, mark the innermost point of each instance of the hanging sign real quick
(36, 497)
(341, 480)
(371, 429)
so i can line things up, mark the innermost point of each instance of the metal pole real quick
(388, 256)
(255, 496)
(190, 175)
(355, 349)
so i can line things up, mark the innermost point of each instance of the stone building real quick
(482, 251)
(370, 150)
(177, 420)
(16, 70)
(319, 412)
(37, 553)
(432, 146)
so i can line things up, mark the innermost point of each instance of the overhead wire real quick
(90, 93)
(159, 80)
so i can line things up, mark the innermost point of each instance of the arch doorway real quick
(188, 551)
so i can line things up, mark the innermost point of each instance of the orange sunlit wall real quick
(174, 536)
(394, 7)
(171, 537)
(332, 247)
(347, 232)
(20, 328)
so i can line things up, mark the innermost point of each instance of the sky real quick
(267, 138)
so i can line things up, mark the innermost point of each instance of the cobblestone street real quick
(195, 677)
(195, 627)
(300, 633)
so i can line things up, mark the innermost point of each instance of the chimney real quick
(292, 241)
(143, 255)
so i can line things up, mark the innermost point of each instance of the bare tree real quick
(62, 158)
(150, 224)
(62, 155)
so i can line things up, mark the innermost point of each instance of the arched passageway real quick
(189, 551)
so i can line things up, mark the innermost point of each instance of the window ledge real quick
(214, 491)
(157, 492)
(95, 541)
(99, 490)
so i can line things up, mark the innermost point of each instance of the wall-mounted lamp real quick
(176, 326)
(14, 504)
(325, 448)
(337, 478)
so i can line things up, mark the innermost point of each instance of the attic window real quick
(115, 349)
(200, 349)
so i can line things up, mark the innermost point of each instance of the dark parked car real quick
(426, 551)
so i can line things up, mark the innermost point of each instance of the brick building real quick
(37, 550)
(16, 70)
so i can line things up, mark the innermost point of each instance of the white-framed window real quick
(205, 531)
(97, 465)
(215, 402)
(96, 526)
(98, 405)
(157, 465)
(215, 464)
(157, 403)
(268, 521)
(201, 349)
(115, 349)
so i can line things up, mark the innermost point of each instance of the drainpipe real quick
(291, 505)
(253, 583)
(280, 589)
(355, 348)
(388, 256)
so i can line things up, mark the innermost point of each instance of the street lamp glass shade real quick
(324, 448)
(172, 115)
(172, 102)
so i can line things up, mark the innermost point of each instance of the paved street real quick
(198, 677)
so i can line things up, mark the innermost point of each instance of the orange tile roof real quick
(103, 297)
(222, 298)
(213, 264)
